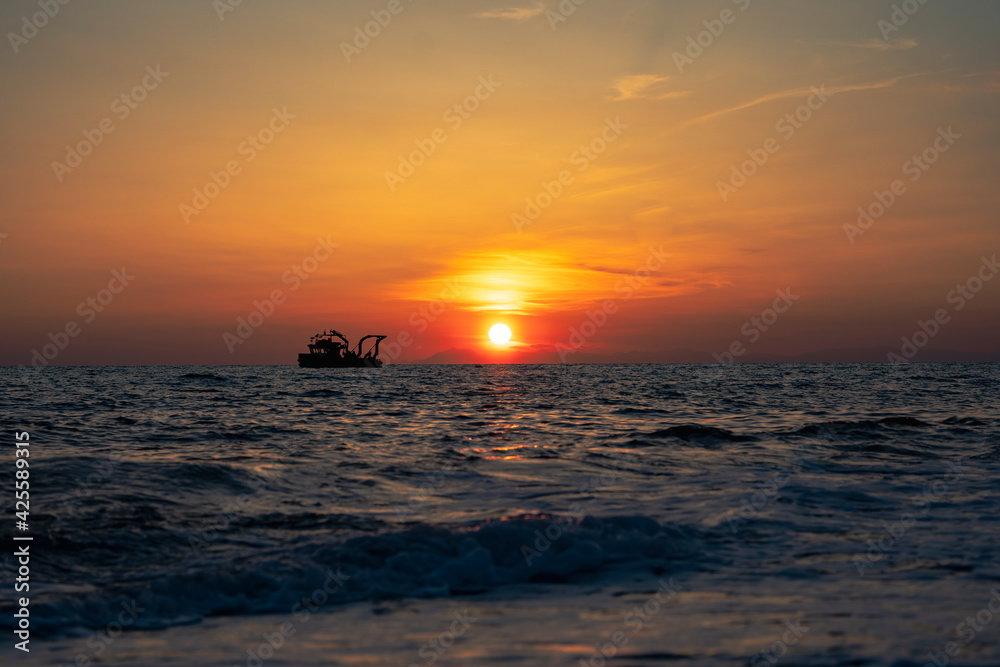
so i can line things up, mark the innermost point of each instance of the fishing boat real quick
(331, 349)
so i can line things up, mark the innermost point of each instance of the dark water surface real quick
(809, 514)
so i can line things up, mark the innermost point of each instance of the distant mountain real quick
(685, 356)
(872, 355)
(453, 357)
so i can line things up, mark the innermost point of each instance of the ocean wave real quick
(865, 428)
(67, 472)
(203, 376)
(963, 421)
(423, 561)
(699, 434)
(322, 393)
(640, 411)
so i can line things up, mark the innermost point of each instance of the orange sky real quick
(640, 136)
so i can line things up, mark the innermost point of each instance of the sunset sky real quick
(641, 126)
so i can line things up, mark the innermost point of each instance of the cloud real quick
(622, 271)
(799, 92)
(990, 84)
(644, 87)
(876, 44)
(512, 13)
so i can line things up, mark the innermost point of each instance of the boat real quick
(326, 351)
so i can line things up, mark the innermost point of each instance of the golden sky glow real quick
(472, 164)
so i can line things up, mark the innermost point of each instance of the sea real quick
(577, 515)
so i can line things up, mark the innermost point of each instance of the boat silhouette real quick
(327, 352)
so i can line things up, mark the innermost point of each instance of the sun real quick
(500, 334)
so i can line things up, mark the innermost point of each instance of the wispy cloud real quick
(799, 92)
(879, 44)
(644, 87)
(512, 13)
(990, 81)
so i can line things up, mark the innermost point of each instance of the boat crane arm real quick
(374, 351)
(334, 332)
